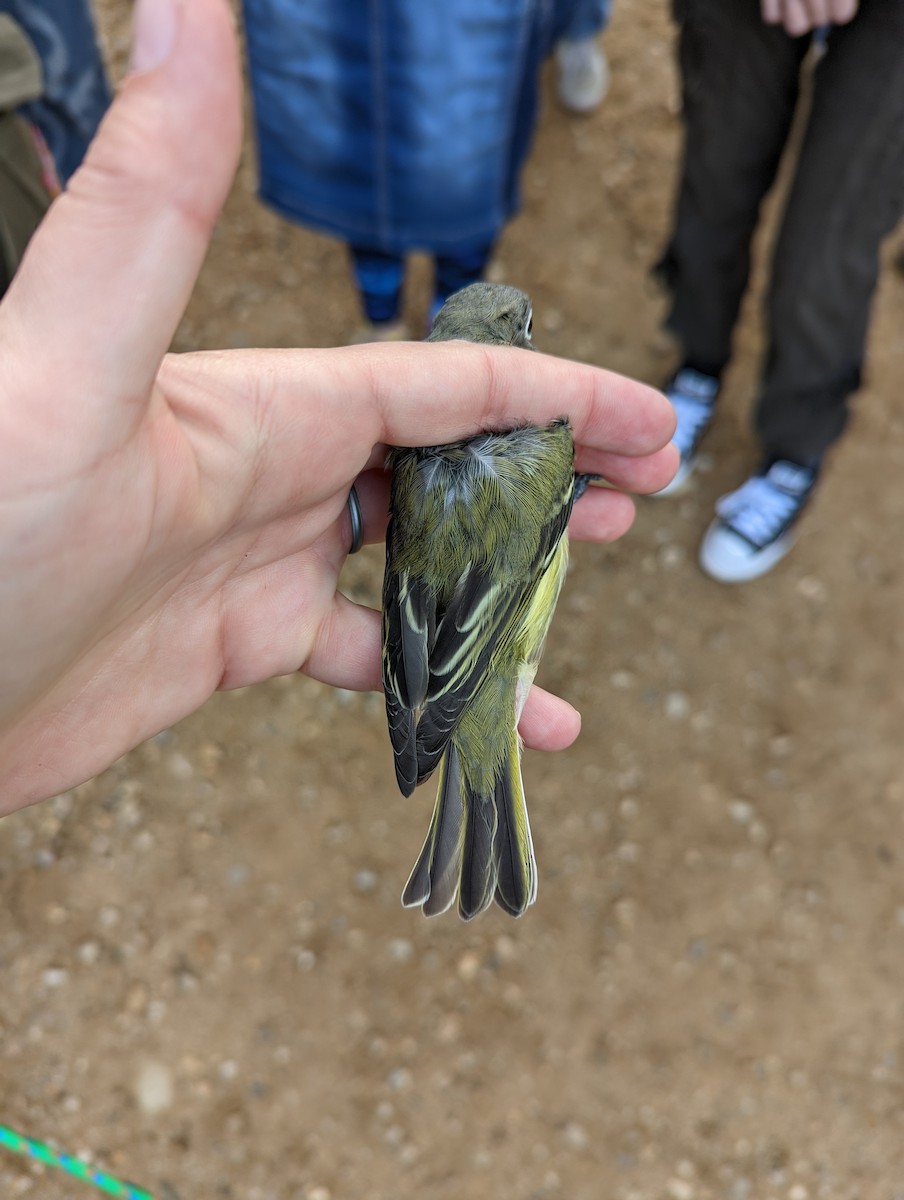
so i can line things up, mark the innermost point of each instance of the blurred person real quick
(75, 93)
(741, 66)
(27, 179)
(582, 67)
(175, 524)
(398, 128)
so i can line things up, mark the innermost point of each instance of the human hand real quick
(802, 16)
(174, 524)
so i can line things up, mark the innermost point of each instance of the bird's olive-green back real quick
(484, 501)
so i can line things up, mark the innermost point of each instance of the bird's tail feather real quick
(478, 870)
(434, 881)
(479, 845)
(513, 848)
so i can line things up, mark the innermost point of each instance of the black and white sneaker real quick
(755, 526)
(693, 397)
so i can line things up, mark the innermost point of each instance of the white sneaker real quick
(693, 397)
(583, 74)
(755, 526)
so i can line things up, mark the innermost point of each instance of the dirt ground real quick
(209, 985)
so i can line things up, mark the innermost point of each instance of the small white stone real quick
(671, 557)
(401, 950)
(55, 977)
(812, 589)
(88, 953)
(179, 767)
(154, 1088)
(468, 966)
(679, 1189)
(365, 881)
(677, 706)
(741, 812)
(576, 1135)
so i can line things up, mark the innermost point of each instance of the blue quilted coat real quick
(397, 124)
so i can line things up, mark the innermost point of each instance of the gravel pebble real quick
(365, 881)
(401, 950)
(679, 1189)
(741, 812)
(179, 767)
(677, 706)
(575, 1135)
(154, 1088)
(468, 966)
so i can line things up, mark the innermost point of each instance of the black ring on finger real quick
(354, 513)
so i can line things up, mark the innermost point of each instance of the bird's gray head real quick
(485, 312)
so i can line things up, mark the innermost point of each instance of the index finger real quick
(337, 410)
(441, 392)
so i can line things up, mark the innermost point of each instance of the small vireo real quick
(476, 552)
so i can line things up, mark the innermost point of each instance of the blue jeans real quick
(380, 278)
(586, 19)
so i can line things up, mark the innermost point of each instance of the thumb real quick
(109, 273)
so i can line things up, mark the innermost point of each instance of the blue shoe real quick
(755, 526)
(693, 397)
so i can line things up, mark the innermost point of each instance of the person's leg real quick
(24, 196)
(456, 271)
(586, 19)
(847, 195)
(76, 91)
(740, 85)
(583, 70)
(380, 278)
(740, 89)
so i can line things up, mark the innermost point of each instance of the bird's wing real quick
(409, 621)
(483, 614)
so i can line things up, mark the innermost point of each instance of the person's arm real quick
(174, 524)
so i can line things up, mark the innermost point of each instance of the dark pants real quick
(741, 87)
(23, 195)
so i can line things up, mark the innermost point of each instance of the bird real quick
(476, 553)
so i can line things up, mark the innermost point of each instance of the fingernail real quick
(155, 25)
